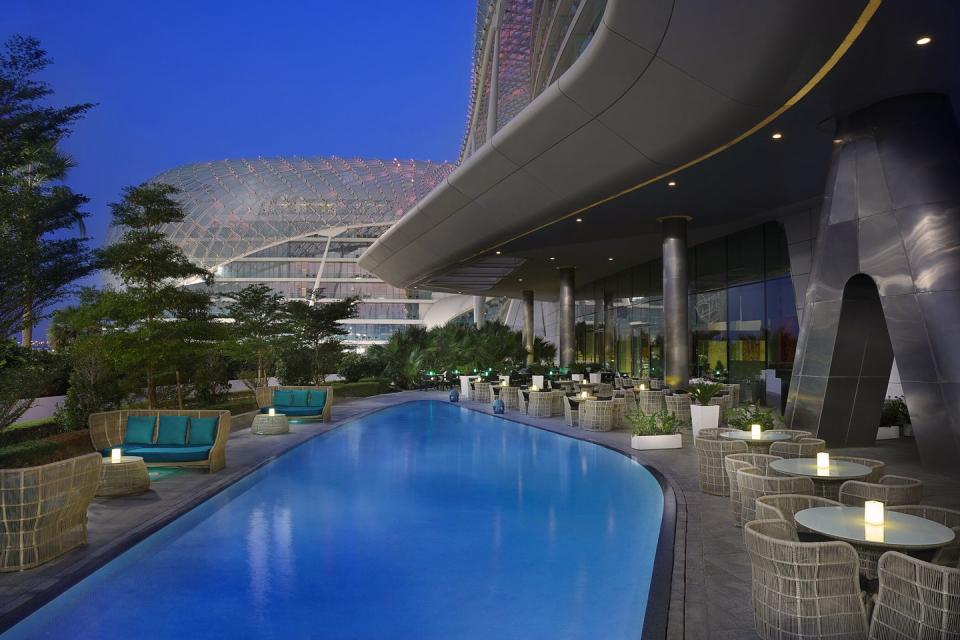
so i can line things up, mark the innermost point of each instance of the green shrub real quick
(743, 417)
(29, 430)
(702, 392)
(27, 454)
(894, 412)
(360, 389)
(661, 423)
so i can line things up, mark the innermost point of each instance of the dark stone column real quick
(528, 330)
(891, 213)
(567, 338)
(676, 328)
(609, 331)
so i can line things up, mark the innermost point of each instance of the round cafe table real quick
(124, 478)
(900, 532)
(826, 482)
(756, 444)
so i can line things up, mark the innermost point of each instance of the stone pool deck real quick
(710, 593)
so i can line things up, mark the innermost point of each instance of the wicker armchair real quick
(949, 555)
(483, 392)
(733, 463)
(805, 448)
(753, 483)
(733, 391)
(605, 389)
(878, 466)
(890, 490)
(725, 403)
(619, 410)
(109, 428)
(44, 510)
(596, 415)
(656, 384)
(650, 401)
(558, 397)
(265, 399)
(570, 415)
(710, 455)
(796, 434)
(679, 405)
(521, 401)
(509, 397)
(803, 590)
(916, 600)
(785, 507)
(541, 404)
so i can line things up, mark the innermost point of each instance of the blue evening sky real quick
(180, 81)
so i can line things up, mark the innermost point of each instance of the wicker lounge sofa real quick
(44, 510)
(163, 438)
(310, 404)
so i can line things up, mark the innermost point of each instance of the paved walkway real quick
(711, 575)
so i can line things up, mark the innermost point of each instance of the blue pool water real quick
(420, 521)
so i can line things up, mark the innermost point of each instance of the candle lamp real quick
(873, 512)
(271, 411)
(823, 463)
(116, 454)
(643, 387)
(584, 395)
(755, 431)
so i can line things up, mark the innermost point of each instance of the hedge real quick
(37, 452)
(29, 430)
(360, 389)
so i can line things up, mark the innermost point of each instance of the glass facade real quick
(742, 312)
(299, 226)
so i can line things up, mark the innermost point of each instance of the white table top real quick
(899, 531)
(748, 436)
(838, 469)
(108, 460)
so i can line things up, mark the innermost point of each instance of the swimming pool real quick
(423, 520)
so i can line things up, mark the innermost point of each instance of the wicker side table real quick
(124, 478)
(267, 425)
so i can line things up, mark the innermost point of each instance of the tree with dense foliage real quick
(155, 316)
(315, 330)
(259, 321)
(40, 262)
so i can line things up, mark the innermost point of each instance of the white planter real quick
(595, 378)
(671, 441)
(576, 377)
(538, 382)
(888, 433)
(707, 417)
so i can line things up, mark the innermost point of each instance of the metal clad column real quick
(609, 331)
(567, 339)
(676, 330)
(528, 330)
(479, 311)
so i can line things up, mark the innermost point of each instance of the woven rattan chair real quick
(482, 392)
(725, 403)
(630, 400)
(656, 384)
(733, 463)
(605, 389)
(796, 434)
(558, 396)
(43, 510)
(734, 391)
(264, 396)
(949, 555)
(509, 397)
(805, 448)
(803, 590)
(521, 401)
(711, 433)
(878, 466)
(785, 507)
(916, 600)
(570, 415)
(710, 455)
(541, 404)
(890, 490)
(619, 410)
(753, 483)
(650, 401)
(596, 415)
(679, 405)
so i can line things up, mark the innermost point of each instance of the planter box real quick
(888, 433)
(595, 378)
(538, 382)
(671, 441)
(707, 417)
(576, 377)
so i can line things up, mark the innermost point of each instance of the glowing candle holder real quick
(872, 532)
(271, 411)
(584, 395)
(534, 388)
(755, 431)
(116, 455)
(643, 387)
(873, 512)
(823, 463)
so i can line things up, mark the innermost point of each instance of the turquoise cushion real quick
(296, 411)
(173, 431)
(298, 398)
(139, 430)
(169, 454)
(203, 431)
(317, 399)
(282, 397)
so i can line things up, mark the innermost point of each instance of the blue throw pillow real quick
(282, 398)
(139, 430)
(317, 399)
(203, 431)
(173, 431)
(298, 398)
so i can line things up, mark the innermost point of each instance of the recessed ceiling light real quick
(777, 136)
(498, 253)
(924, 41)
(838, 141)
(671, 184)
(610, 259)
(519, 279)
(552, 258)
(579, 219)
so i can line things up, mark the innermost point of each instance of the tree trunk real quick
(151, 390)
(261, 378)
(27, 337)
(179, 392)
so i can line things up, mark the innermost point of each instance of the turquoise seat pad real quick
(317, 399)
(167, 454)
(294, 411)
